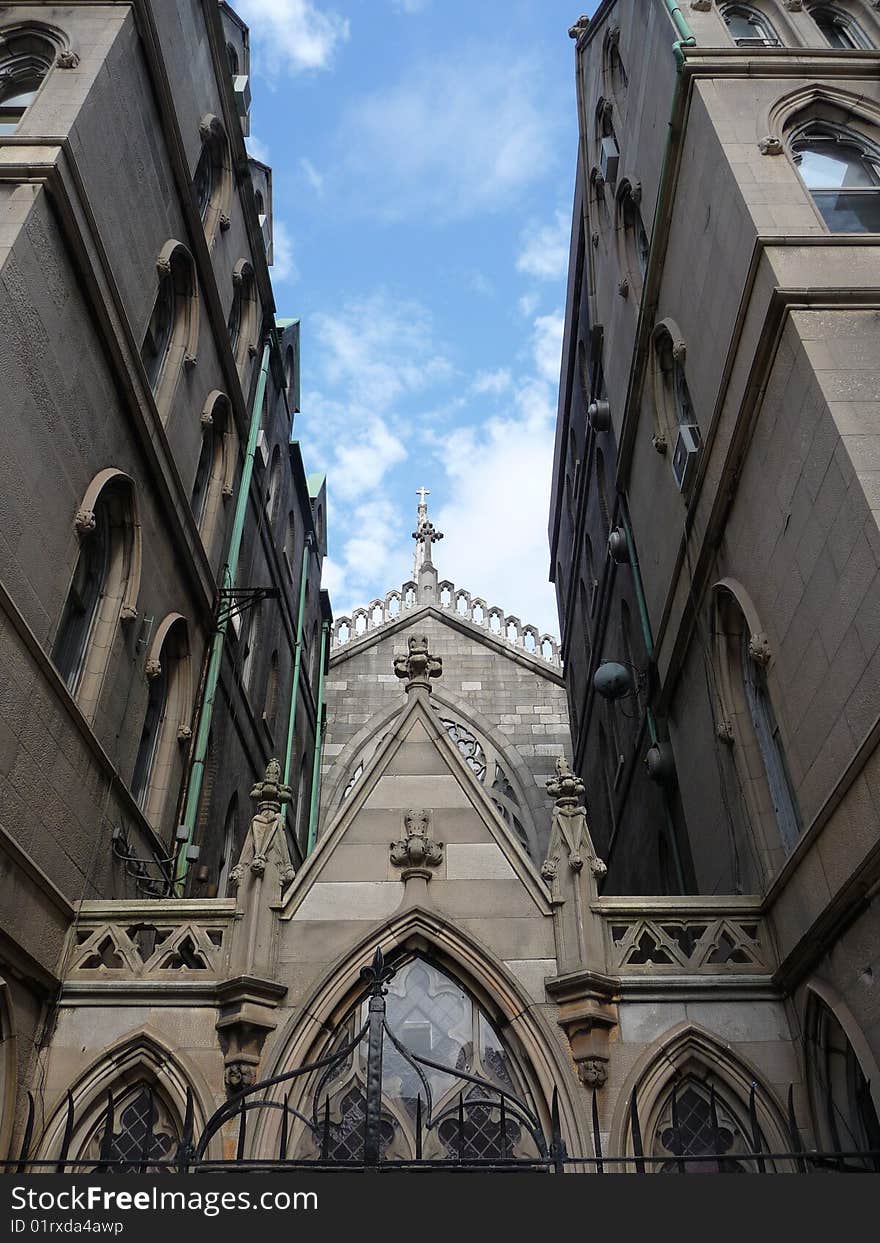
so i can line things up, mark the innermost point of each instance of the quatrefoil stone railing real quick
(504, 627)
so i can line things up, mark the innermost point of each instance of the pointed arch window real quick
(242, 321)
(840, 29)
(841, 169)
(158, 763)
(27, 56)
(171, 336)
(103, 585)
(273, 487)
(749, 27)
(636, 245)
(214, 469)
(695, 1121)
(212, 180)
(142, 1132)
(844, 1113)
(433, 1017)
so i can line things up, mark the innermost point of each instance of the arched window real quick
(841, 169)
(232, 57)
(748, 709)
(636, 246)
(290, 545)
(840, 30)
(215, 466)
(303, 804)
(614, 71)
(242, 321)
(171, 338)
(252, 644)
(273, 487)
(104, 583)
(158, 763)
(26, 56)
(270, 707)
(433, 1017)
(212, 180)
(748, 27)
(695, 1120)
(228, 853)
(674, 393)
(844, 1115)
(602, 492)
(143, 1135)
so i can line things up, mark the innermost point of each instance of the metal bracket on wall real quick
(237, 600)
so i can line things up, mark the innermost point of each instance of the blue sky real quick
(423, 156)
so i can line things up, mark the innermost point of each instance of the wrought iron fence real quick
(477, 1129)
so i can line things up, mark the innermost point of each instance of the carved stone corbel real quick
(247, 1014)
(588, 1014)
(769, 145)
(85, 522)
(67, 59)
(152, 669)
(760, 650)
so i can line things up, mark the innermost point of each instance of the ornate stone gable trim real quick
(416, 710)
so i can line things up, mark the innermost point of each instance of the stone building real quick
(714, 521)
(161, 547)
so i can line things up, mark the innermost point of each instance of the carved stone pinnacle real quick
(271, 790)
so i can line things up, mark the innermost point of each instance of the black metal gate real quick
(487, 1109)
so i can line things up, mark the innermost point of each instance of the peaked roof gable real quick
(442, 760)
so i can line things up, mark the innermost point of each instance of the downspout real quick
(297, 664)
(687, 35)
(319, 742)
(197, 770)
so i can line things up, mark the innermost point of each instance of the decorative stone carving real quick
(724, 729)
(623, 288)
(270, 794)
(635, 192)
(569, 828)
(679, 351)
(227, 492)
(67, 60)
(797, 6)
(658, 440)
(247, 1008)
(225, 222)
(127, 614)
(189, 361)
(416, 853)
(575, 31)
(595, 240)
(152, 668)
(593, 1072)
(252, 350)
(760, 650)
(769, 145)
(184, 733)
(206, 419)
(701, 6)
(163, 265)
(418, 666)
(84, 520)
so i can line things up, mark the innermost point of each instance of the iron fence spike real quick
(794, 1134)
(756, 1130)
(503, 1129)
(325, 1137)
(107, 1135)
(676, 1132)
(636, 1134)
(242, 1132)
(419, 1127)
(68, 1134)
(26, 1138)
(597, 1136)
(282, 1147)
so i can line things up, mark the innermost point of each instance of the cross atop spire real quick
(425, 535)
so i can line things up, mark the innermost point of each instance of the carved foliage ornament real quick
(569, 828)
(418, 666)
(416, 853)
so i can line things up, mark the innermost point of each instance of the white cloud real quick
(293, 35)
(410, 6)
(312, 176)
(528, 304)
(547, 346)
(544, 252)
(499, 475)
(452, 138)
(370, 555)
(361, 463)
(258, 149)
(491, 381)
(283, 263)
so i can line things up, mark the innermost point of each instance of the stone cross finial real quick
(421, 493)
(418, 666)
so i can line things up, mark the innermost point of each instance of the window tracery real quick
(841, 170)
(840, 29)
(26, 56)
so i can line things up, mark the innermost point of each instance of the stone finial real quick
(153, 668)
(67, 59)
(575, 31)
(271, 789)
(418, 666)
(569, 829)
(416, 853)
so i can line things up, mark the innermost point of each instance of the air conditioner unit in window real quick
(241, 88)
(263, 447)
(687, 451)
(609, 158)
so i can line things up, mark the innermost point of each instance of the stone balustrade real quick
(164, 939)
(686, 936)
(502, 626)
